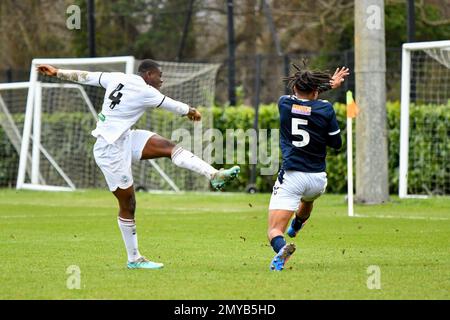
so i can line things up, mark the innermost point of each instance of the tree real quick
(162, 39)
(29, 29)
(117, 23)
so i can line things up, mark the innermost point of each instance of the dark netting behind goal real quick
(13, 97)
(194, 84)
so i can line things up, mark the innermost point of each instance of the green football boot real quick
(144, 263)
(223, 176)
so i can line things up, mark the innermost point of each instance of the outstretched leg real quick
(159, 147)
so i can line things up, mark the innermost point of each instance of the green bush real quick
(243, 117)
(429, 145)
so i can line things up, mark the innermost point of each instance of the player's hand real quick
(47, 70)
(194, 114)
(339, 77)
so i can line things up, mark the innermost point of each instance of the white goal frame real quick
(32, 118)
(33, 123)
(405, 102)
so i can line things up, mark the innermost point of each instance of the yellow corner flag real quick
(352, 108)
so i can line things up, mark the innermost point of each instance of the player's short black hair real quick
(148, 65)
(308, 81)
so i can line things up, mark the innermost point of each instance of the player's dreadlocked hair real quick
(308, 81)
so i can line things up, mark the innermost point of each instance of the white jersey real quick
(127, 97)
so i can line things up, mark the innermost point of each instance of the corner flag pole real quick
(352, 111)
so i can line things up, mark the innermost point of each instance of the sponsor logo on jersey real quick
(298, 109)
(101, 117)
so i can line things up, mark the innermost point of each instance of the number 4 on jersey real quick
(115, 99)
(296, 131)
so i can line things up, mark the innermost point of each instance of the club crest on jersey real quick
(298, 109)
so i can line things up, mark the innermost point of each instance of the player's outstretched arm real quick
(47, 70)
(83, 77)
(194, 114)
(155, 99)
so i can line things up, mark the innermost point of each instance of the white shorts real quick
(293, 186)
(115, 159)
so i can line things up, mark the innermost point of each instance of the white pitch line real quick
(400, 217)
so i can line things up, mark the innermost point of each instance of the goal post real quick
(55, 149)
(425, 81)
(34, 110)
(12, 101)
(193, 84)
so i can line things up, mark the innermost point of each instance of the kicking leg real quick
(127, 225)
(158, 147)
(278, 220)
(300, 218)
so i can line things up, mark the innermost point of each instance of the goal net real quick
(194, 84)
(13, 98)
(425, 120)
(56, 149)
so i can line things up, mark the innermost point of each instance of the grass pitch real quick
(214, 247)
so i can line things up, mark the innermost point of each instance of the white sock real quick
(186, 159)
(128, 229)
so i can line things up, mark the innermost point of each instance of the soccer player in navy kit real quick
(307, 126)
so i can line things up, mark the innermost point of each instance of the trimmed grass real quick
(214, 247)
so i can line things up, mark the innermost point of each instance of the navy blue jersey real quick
(307, 127)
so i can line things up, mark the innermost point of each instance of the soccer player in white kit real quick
(127, 97)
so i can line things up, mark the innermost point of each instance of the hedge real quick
(429, 146)
(432, 168)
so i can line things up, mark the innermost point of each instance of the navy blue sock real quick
(277, 243)
(298, 223)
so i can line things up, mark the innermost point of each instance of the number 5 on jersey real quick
(296, 131)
